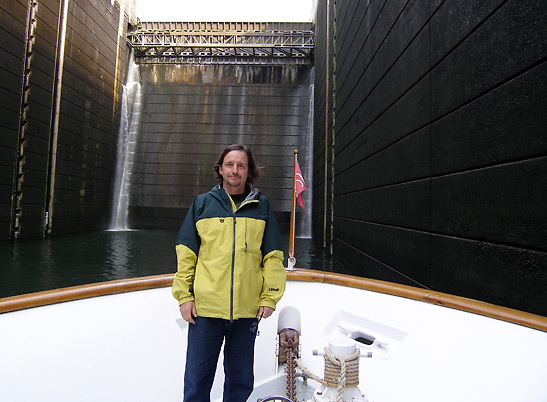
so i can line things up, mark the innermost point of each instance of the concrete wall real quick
(94, 64)
(440, 145)
(190, 113)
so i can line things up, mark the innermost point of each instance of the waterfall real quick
(304, 224)
(127, 140)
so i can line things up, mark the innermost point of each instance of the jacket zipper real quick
(233, 268)
(233, 263)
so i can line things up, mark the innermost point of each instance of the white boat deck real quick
(131, 347)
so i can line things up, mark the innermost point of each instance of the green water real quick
(36, 265)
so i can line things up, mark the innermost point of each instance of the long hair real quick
(254, 171)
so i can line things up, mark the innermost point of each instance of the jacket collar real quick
(221, 194)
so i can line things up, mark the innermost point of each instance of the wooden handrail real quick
(534, 321)
(44, 298)
(424, 295)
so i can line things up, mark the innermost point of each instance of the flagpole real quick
(291, 260)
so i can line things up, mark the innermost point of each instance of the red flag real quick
(299, 186)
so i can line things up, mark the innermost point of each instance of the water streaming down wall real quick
(127, 142)
(64, 169)
(304, 217)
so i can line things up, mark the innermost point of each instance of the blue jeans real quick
(205, 339)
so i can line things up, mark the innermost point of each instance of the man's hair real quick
(254, 171)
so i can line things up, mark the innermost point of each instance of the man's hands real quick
(265, 312)
(188, 311)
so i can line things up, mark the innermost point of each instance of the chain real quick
(289, 341)
(291, 370)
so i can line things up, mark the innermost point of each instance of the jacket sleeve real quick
(273, 271)
(187, 250)
(274, 279)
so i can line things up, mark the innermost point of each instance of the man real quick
(230, 273)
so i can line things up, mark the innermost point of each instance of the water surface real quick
(36, 265)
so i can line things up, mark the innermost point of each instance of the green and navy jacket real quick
(230, 259)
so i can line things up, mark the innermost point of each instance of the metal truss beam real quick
(223, 43)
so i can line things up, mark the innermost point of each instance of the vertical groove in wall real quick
(55, 112)
(326, 126)
(18, 177)
(333, 128)
(430, 241)
(117, 64)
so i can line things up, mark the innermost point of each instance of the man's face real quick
(234, 172)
